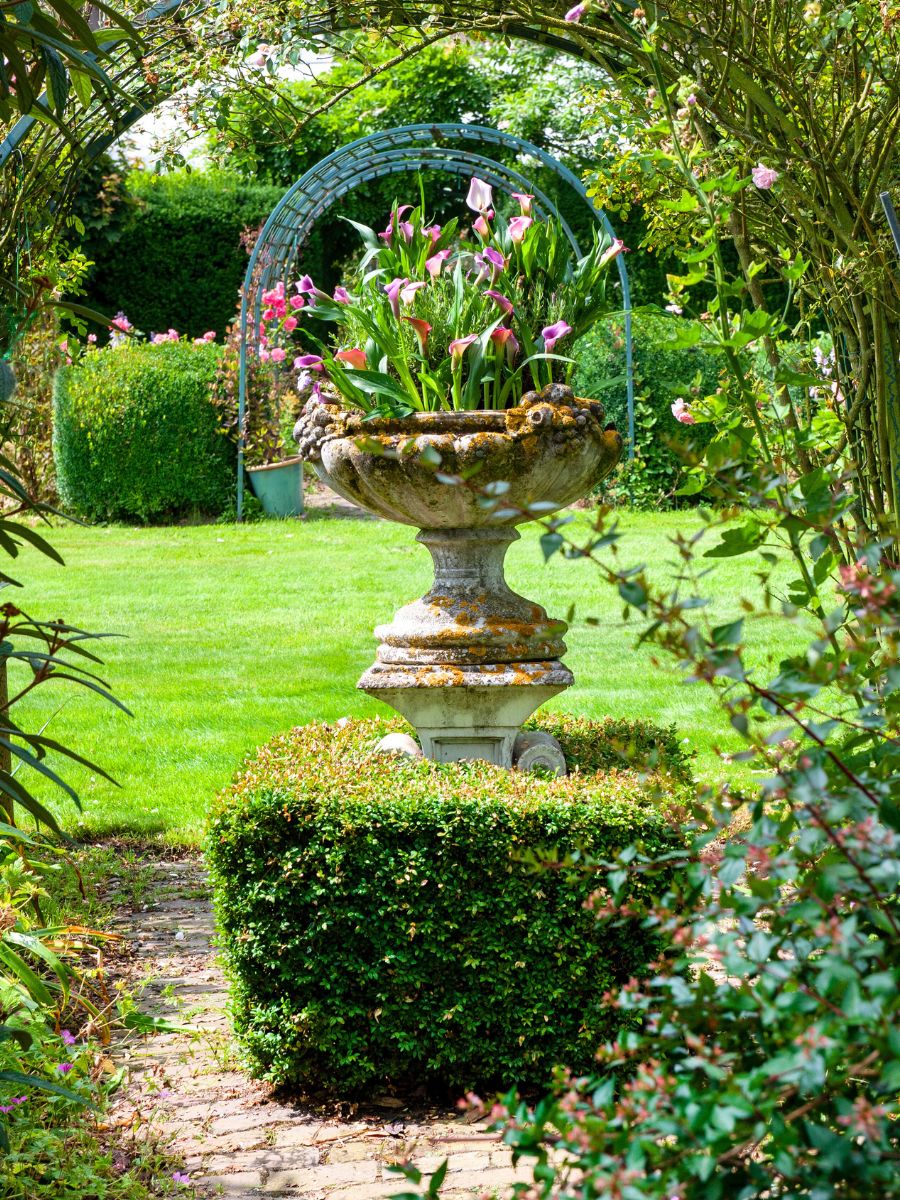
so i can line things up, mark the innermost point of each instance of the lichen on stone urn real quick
(551, 450)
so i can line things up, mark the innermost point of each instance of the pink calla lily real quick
(554, 333)
(460, 346)
(518, 227)
(341, 295)
(434, 264)
(353, 358)
(407, 294)
(502, 302)
(505, 338)
(481, 196)
(525, 202)
(422, 329)
(616, 248)
(393, 290)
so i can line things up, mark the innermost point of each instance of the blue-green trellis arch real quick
(408, 148)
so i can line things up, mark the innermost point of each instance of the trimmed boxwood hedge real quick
(136, 434)
(381, 923)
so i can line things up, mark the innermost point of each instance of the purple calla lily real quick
(502, 302)
(554, 333)
(518, 227)
(309, 362)
(393, 290)
(341, 295)
(435, 264)
(460, 346)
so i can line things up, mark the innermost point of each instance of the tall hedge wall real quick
(177, 260)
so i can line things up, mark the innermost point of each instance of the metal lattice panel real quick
(395, 151)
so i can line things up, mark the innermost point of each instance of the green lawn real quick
(234, 633)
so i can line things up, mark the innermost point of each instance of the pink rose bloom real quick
(278, 355)
(264, 356)
(518, 226)
(297, 302)
(682, 413)
(173, 335)
(481, 196)
(92, 339)
(341, 295)
(554, 333)
(353, 358)
(574, 15)
(460, 345)
(763, 176)
(120, 321)
(290, 324)
(434, 264)
(268, 314)
(525, 201)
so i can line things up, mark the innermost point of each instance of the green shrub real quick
(661, 375)
(381, 922)
(136, 436)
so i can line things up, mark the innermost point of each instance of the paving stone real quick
(296, 1158)
(230, 1184)
(299, 1133)
(327, 1175)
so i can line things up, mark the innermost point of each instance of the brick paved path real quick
(236, 1139)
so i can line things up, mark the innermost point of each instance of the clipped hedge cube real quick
(381, 922)
(137, 436)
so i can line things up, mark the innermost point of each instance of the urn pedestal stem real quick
(471, 660)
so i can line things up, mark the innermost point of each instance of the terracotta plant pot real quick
(471, 660)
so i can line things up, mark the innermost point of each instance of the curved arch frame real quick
(408, 148)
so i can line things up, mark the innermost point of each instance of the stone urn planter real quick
(470, 661)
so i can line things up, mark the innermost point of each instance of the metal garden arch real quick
(408, 148)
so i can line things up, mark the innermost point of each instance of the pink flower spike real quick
(297, 301)
(502, 302)
(353, 358)
(120, 321)
(407, 294)
(763, 176)
(525, 200)
(481, 196)
(554, 333)
(422, 329)
(157, 339)
(682, 413)
(341, 295)
(518, 227)
(264, 356)
(574, 15)
(209, 336)
(290, 324)
(68, 1038)
(434, 264)
(173, 335)
(278, 355)
(92, 339)
(460, 345)
(392, 291)
(309, 362)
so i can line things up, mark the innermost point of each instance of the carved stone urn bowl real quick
(471, 660)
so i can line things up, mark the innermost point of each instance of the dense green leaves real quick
(137, 436)
(381, 919)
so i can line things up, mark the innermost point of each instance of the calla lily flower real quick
(482, 228)
(422, 329)
(574, 15)
(502, 302)
(616, 248)
(353, 358)
(434, 264)
(393, 290)
(481, 196)
(554, 333)
(490, 260)
(518, 227)
(460, 346)
(308, 289)
(309, 362)
(524, 199)
(503, 337)
(433, 231)
(407, 294)
(341, 295)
